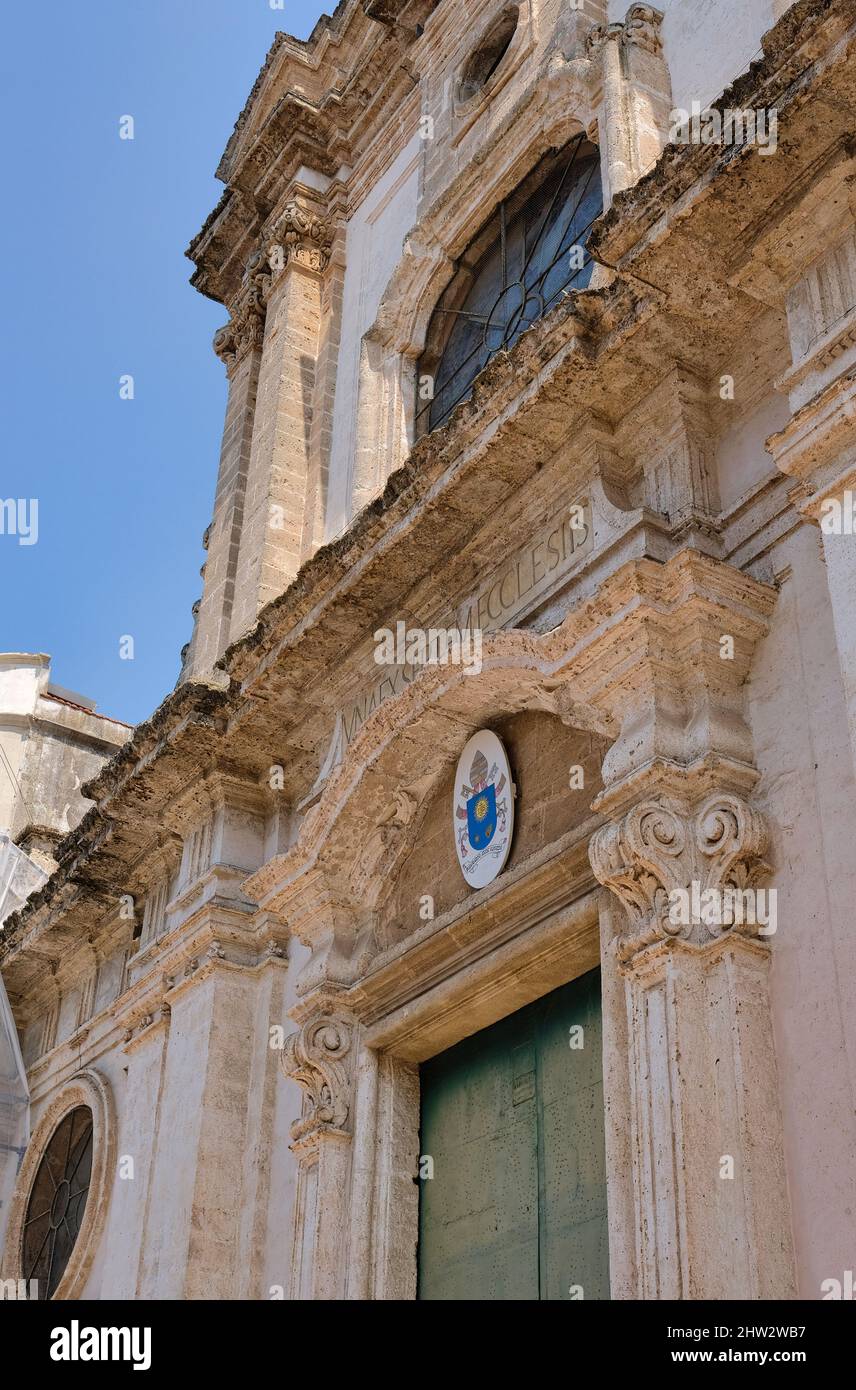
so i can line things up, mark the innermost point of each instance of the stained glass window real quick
(529, 254)
(57, 1201)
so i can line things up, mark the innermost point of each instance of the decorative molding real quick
(816, 445)
(659, 847)
(318, 1057)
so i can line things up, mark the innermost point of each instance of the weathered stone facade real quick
(51, 742)
(282, 816)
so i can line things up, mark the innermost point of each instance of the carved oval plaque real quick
(483, 809)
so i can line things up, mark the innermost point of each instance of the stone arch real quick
(446, 230)
(549, 807)
(333, 881)
(89, 1088)
(390, 348)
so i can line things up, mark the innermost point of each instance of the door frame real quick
(552, 929)
(532, 1033)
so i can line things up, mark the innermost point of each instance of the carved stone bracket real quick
(672, 868)
(319, 1058)
(636, 93)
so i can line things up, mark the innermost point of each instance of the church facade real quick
(475, 919)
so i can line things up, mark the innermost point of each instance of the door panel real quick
(574, 1244)
(479, 1213)
(513, 1121)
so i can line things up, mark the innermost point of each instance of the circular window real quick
(482, 64)
(57, 1201)
(61, 1199)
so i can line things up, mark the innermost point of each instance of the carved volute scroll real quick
(657, 848)
(319, 1058)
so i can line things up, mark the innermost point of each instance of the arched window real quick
(526, 257)
(57, 1201)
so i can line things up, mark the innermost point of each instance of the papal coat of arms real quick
(483, 809)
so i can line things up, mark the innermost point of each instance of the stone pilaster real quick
(817, 448)
(275, 507)
(712, 1214)
(321, 1058)
(204, 993)
(205, 1057)
(685, 853)
(636, 94)
(238, 344)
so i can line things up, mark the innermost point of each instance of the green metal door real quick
(512, 1121)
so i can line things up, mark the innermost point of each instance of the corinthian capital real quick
(301, 236)
(682, 874)
(243, 332)
(319, 1057)
(245, 329)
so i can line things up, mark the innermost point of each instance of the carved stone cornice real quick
(301, 236)
(323, 915)
(319, 1057)
(663, 848)
(816, 446)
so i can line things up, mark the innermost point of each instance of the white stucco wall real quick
(374, 245)
(807, 791)
(708, 42)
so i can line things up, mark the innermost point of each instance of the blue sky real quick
(92, 243)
